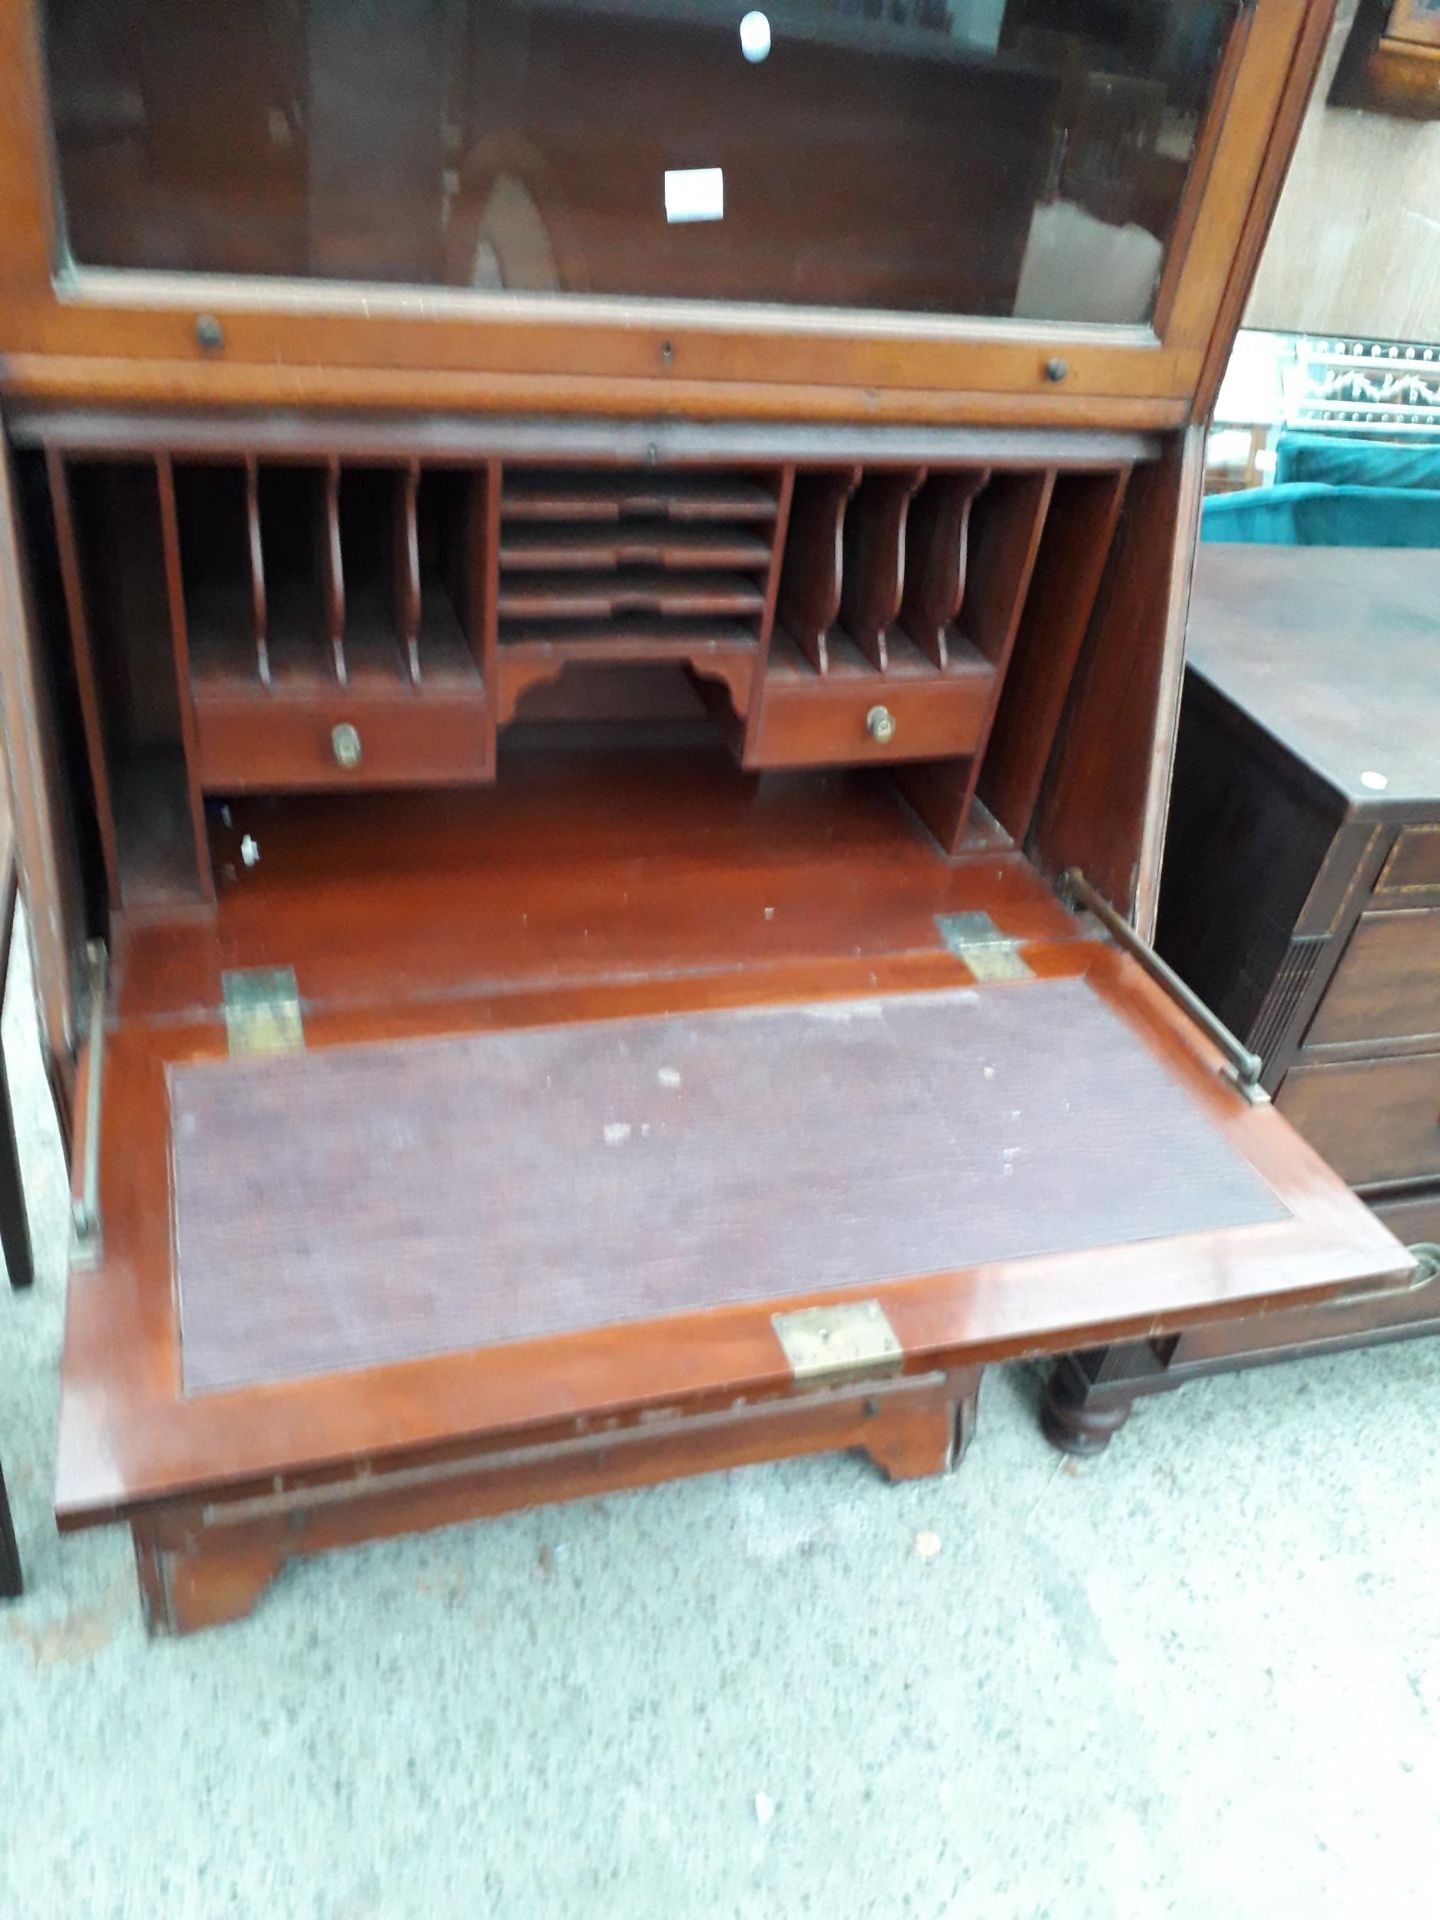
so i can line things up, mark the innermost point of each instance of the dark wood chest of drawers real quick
(1301, 900)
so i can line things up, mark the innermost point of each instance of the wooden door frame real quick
(46, 858)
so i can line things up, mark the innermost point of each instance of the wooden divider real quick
(62, 507)
(332, 570)
(484, 583)
(407, 569)
(259, 606)
(122, 570)
(938, 547)
(180, 652)
(874, 559)
(745, 736)
(877, 562)
(1078, 535)
(812, 574)
(1004, 540)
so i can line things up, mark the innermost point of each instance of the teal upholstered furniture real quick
(1331, 492)
(1326, 460)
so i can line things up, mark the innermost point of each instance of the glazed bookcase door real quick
(1023, 160)
(987, 196)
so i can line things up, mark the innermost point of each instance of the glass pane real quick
(1003, 157)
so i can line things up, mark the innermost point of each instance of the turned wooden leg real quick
(1075, 1422)
(1091, 1394)
(12, 1583)
(203, 1583)
(911, 1440)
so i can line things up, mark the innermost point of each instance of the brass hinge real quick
(851, 1341)
(262, 1011)
(986, 951)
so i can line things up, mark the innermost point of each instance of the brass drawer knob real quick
(345, 745)
(880, 725)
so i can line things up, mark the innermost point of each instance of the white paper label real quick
(694, 193)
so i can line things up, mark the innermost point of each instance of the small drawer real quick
(1374, 1120)
(257, 742)
(1414, 863)
(854, 721)
(1387, 986)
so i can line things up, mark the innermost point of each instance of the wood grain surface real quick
(1330, 651)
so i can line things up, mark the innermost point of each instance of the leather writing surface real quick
(358, 1205)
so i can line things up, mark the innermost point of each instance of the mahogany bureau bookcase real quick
(592, 633)
(1301, 900)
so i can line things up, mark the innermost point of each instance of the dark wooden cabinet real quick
(1301, 899)
(549, 743)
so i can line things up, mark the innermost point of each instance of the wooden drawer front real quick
(1388, 984)
(249, 743)
(818, 725)
(1414, 1220)
(1414, 862)
(1374, 1121)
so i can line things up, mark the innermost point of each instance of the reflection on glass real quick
(1003, 157)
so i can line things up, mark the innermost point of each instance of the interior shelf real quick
(247, 623)
(636, 568)
(555, 494)
(554, 596)
(527, 546)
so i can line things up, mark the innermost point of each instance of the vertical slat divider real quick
(1002, 560)
(72, 580)
(874, 566)
(483, 575)
(783, 496)
(180, 642)
(938, 541)
(258, 609)
(407, 568)
(332, 571)
(1002, 563)
(813, 574)
(1078, 536)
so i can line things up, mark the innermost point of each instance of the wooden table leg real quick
(911, 1440)
(213, 1581)
(14, 1225)
(12, 1583)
